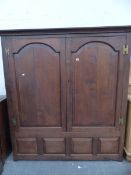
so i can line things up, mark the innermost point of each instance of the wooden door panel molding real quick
(109, 145)
(95, 145)
(108, 40)
(23, 42)
(34, 75)
(91, 42)
(54, 145)
(34, 43)
(96, 79)
(81, 146)
(26, 146)
(94, 87)
(40, 146)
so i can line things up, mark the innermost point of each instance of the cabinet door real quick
(95, 102)
(38, 93)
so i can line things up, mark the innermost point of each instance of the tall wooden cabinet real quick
(67, 92)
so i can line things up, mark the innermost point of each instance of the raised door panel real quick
(39, 146)
(109, 145)
(54, 145)
(94, 85)
(81, 146)
(95, 148)
(38, 73)
(39, 76)
(26, 146)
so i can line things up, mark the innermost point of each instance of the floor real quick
(66, 167)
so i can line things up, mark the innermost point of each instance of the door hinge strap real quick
(121, 120)
(125, 49)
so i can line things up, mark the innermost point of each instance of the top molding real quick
(74, 30)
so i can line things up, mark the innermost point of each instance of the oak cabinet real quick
(67, 93)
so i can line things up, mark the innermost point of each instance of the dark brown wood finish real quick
(66, 92)
(37, 70)
(95, 94)
(5, 145)
(71, 30)
(97, 63)
(39, 66)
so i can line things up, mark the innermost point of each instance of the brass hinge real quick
(125, 49)
(7, 51)
(121, 120)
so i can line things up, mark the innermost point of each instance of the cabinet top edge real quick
(73, 30)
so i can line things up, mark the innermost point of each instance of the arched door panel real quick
(39, 74)
(94, 67)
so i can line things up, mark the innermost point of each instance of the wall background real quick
(17, 14)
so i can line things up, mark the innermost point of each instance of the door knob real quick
(77, 59)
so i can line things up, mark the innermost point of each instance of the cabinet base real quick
(128, 155)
